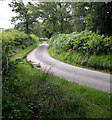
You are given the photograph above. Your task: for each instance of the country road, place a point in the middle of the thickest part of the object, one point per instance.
(81, 76)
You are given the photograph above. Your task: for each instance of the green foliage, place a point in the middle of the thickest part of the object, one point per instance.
(8, 29)
(59, 16)
(43, 39)
(42, 19)
(97, 16)
(84, 48)
(14, 39)
(34, 96)
(31, 94)
(94, 62)
(34, 38)
(45, 19)
(25, 18)
(53, 101)
(13, 104)
(78, 12)
(85, 41)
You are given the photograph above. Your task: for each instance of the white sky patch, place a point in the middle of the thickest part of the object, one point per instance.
(6, 13)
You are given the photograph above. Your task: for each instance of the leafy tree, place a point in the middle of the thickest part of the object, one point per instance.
(99, 17)
(24, 17)
(45, 19)
(78, 12)
(55, 17)
(64, 15)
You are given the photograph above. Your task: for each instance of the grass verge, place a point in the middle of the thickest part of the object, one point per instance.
(93, 62)
(48, 96)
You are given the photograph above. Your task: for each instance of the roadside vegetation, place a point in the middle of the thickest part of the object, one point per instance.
(29, 93)
(86, 48)
(13, 40)
(71, 30)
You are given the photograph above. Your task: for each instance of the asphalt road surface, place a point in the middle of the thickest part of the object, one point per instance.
(93, 79)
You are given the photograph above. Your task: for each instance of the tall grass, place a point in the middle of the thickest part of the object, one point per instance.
(36, 96)
(94, 62)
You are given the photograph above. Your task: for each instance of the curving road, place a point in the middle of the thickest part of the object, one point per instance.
(40, 57)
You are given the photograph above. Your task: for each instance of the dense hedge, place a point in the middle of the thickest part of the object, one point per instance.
(13, 39)
(86, 41)
(13, 103)
(85, 48)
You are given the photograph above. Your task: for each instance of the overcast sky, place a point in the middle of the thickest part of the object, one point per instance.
(6, 13)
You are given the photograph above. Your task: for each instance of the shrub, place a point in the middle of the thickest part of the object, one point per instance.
(43, 39)
(34, 38)
(13, 104)
(12, 40)
(86, 42)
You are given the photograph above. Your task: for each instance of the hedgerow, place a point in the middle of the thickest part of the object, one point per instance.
(14, 39)
(13, 104)
(86, 42)
(94, 49)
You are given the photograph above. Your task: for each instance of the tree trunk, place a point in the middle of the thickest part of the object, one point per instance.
(27, 27)
(61, 26)
(61, 19)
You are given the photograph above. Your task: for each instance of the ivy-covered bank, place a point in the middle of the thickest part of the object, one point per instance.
(86, 49)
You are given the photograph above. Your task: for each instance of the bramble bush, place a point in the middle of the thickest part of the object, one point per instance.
(13, 105)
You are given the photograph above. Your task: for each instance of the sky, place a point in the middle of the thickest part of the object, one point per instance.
(6, 13)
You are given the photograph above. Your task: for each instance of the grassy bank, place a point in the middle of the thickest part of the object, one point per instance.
(86, 49)
(92, 62)
(44, 96)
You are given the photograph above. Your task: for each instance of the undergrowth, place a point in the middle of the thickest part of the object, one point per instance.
(100, 63)
(31, 94)
(87, 49)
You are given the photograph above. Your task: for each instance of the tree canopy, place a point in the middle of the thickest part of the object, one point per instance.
(25, 18)
(47, 18)
(99, 17)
